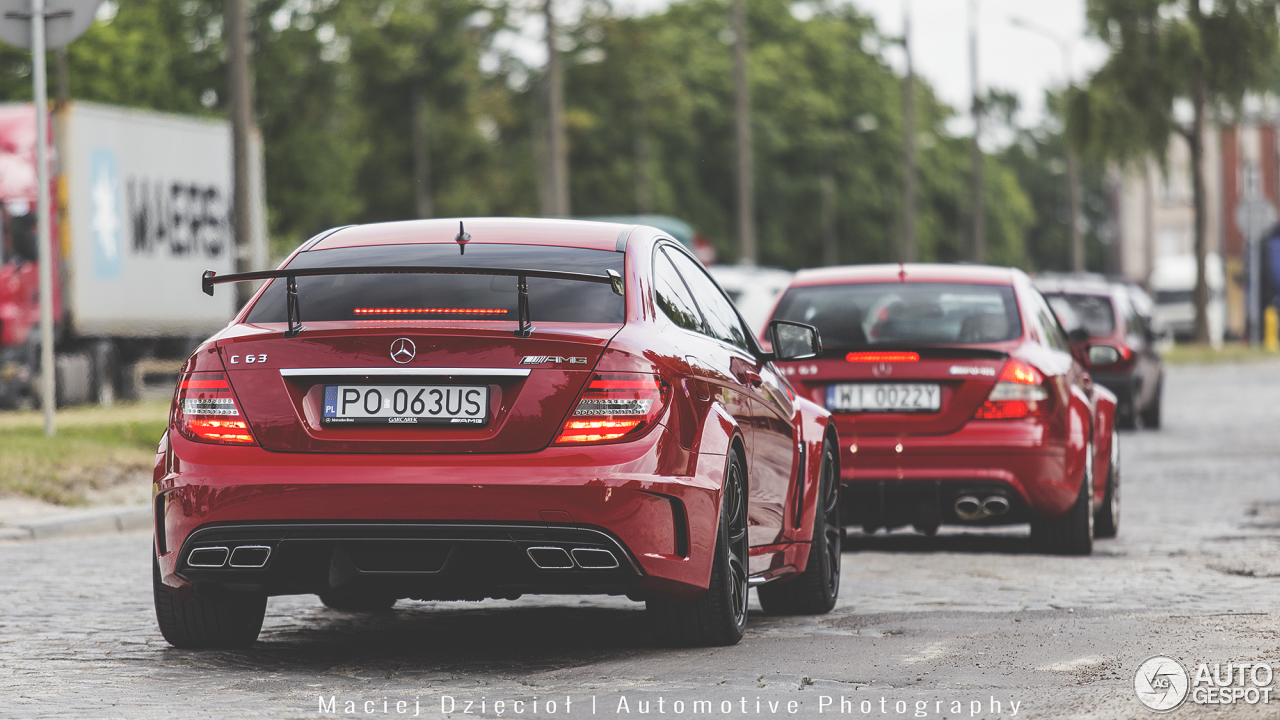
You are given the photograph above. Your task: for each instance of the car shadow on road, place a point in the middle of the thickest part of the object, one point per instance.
(426, 637)
(1003, 542)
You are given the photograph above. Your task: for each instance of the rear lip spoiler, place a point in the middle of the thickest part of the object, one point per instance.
(291, 275)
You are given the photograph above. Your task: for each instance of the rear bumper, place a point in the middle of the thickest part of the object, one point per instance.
(891, 481)
(443, 526)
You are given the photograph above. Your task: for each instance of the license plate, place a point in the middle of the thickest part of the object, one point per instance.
(406, 405)
(875, 397)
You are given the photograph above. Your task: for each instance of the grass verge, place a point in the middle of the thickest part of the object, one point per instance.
(1189, 354)
(94, 449)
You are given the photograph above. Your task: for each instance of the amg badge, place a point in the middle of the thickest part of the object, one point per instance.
(540, 359)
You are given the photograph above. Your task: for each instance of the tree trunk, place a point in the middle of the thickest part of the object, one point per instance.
(421, 154)
(1196, 141)
(240, 102)
(742, 128)
(830, 241)
(557, 145)
(1073, 191)
(908, 253)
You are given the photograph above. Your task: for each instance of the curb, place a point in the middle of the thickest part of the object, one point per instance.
(98, 521)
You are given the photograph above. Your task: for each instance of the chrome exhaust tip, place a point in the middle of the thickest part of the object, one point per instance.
(594, 558)
(250, 556)
(550, 558)
(996, 505)
(968, 508)
(208, 557)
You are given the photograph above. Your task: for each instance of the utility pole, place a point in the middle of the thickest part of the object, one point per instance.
(909, 253)
(240, 101)
(830, 239)
(742, 128)
(975, 154)
(1073, 162)
(558, 147)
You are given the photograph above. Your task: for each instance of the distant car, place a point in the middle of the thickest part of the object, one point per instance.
(1115, 339)
(754, 290)
(958, 401)
(1173, 282)
(414, 410)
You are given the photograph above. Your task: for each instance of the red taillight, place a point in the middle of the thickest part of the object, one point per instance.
(1019, 393)
(615, 406)
(207, 412)
(882, 357)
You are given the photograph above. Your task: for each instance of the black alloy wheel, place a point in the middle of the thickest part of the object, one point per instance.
(719, 615)
(814, 592)
(1106, 522)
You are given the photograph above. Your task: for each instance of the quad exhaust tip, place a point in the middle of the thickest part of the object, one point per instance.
(250, 556)
(208, 557)
(968, 507)
(594, 558)
(557, 558)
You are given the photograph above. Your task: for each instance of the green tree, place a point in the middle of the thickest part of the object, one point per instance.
(1164, 51)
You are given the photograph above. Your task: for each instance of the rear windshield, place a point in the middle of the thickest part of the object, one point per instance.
(1094, 313)
(467, 298)
(861, 315)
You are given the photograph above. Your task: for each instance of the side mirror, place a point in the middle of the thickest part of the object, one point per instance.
(1078, 335)
(1102, 355)
(794, 341)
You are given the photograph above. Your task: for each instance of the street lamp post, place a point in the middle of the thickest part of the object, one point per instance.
(1073, 164)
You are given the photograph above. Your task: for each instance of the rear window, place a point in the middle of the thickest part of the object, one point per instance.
(467, 298)
(1094, 313)
(861, 315)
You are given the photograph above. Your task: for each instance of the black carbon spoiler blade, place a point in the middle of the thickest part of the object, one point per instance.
(291, 275)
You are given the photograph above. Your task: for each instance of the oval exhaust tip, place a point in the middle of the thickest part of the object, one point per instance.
(968, 508)
(996, 505)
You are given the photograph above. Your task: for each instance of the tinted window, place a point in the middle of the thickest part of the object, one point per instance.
(471, 298)
(1094, 313)
(722, 320)
(672, 296)
(858, 315)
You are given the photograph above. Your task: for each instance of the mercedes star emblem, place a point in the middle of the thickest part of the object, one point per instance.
(403, 350)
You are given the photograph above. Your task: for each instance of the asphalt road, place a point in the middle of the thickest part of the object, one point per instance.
(943, 627)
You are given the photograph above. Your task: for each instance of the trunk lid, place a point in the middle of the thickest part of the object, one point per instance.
(280, 383)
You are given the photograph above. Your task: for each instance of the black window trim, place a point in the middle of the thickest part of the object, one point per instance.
(754, 349)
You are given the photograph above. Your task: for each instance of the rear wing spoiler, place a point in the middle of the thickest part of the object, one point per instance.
(291, 275)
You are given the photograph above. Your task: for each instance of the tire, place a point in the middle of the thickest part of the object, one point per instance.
(228, 620)
(358, 603)
(1151, 413)
(105, 368)
(814, 592)
(719, 616)
(1126, 413)
(1071, 534)
(1106, 521)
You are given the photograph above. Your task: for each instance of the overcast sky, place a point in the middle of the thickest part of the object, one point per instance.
(1010, 58)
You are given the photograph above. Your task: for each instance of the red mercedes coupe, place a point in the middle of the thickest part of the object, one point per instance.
(460, 410)
(958, 401)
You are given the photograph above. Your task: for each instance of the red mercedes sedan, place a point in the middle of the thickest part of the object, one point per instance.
(958, 401)
(460, 410)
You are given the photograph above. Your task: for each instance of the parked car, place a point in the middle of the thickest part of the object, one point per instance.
(958, 401)
(753, 290)
(447, 410)
(1114, 338)
(1173, 282)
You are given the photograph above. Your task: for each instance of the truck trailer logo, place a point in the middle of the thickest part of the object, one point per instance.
(104, 203)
